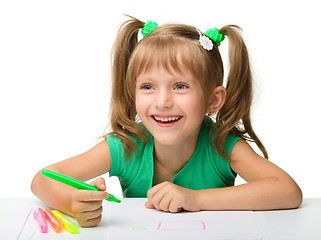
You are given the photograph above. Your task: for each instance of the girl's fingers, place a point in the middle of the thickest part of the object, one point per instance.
(80, 207)
(91, 222)
(174, 206)
(92, 214)
(90, 219)
(100, 183)
(165, 202)
(149, 205)
(151, 193)
(87, 205)
(157, 196)
(90, 206)
(88, 196)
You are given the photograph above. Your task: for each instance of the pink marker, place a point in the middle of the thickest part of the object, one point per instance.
(39, 216)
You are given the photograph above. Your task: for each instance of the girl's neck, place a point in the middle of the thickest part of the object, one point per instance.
(173, 158)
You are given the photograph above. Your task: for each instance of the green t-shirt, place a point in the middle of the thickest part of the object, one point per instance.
(205, 169)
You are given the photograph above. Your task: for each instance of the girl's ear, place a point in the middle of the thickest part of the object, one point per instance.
(217, 100)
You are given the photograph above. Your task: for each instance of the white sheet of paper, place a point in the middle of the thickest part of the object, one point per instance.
(131, 220)
(14, 222)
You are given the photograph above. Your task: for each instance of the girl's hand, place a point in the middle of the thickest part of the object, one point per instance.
(169, 197)
(86, 206)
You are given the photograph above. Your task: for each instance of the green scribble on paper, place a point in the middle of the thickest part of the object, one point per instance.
(139, 228)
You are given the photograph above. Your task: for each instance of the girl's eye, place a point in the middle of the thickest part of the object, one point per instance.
(147, 87)
(181, 86)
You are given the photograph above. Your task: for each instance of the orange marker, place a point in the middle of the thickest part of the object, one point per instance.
(56, 223)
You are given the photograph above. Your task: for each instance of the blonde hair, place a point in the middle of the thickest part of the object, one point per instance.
(161, 48)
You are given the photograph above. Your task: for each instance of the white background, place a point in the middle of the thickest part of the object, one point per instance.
(55, 73)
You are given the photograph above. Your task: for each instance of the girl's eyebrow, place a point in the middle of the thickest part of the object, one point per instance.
(173, 79)
(144, 79)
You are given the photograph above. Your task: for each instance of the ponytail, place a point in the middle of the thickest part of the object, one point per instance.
(234, 116)
(123, 113)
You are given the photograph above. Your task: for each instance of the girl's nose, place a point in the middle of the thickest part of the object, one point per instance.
(164, 99)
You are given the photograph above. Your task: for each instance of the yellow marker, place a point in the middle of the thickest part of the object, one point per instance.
(68, 225)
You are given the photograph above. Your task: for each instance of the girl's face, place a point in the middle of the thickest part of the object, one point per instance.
(170, 105)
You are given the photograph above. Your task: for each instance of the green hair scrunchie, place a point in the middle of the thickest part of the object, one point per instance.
(149, 27)
(215, 35)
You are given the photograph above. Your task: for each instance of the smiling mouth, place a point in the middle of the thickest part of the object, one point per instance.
(165, 120)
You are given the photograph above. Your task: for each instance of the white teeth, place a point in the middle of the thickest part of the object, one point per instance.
(161, 119)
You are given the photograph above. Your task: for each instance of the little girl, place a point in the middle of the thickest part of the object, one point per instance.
(164, 144)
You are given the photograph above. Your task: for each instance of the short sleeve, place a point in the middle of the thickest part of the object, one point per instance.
(116, 154)
(230, 141)
(221, 165)
(226, 172)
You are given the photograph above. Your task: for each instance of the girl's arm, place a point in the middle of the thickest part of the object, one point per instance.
(72, 201)
(268, 187)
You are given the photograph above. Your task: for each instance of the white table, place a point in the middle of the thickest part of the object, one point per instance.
(303, 223)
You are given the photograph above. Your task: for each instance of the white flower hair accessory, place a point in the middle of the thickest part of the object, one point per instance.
(205, 42)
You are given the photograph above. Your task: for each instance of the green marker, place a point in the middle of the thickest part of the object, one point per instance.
(75, 183)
